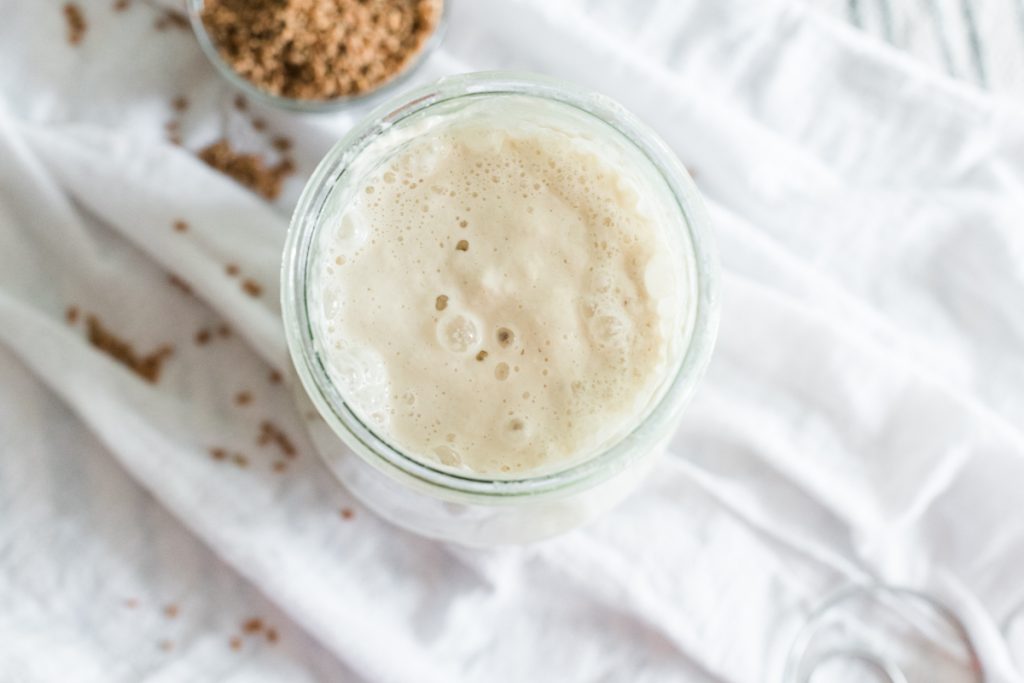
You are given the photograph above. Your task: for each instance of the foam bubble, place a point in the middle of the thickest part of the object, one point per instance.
(458, 332)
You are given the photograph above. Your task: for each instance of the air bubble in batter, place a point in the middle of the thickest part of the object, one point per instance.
(458, 333)
(515, 431)
(448, 456)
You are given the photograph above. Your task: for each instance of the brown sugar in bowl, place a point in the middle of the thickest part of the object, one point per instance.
(317, 55)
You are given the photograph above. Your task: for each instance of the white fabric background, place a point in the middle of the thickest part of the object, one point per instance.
(861, 418)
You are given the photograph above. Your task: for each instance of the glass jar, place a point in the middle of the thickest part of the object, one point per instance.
(460, 507)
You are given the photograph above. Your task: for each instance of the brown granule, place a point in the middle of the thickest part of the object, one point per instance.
(243, 398)
(122, 5)
(180, 226)
(240, 460)
(259, 125)
(252, 626)
(481, 355)
(71, 315)
(166, 645)
(231, 269)
(441, 302)
(147, 367)
(203, 337)
(171, 611)
(347, 513)
(279, 466)
(172, 19)
(248, 169)
(462, 245)
(76, 23)
(270, 433)
(172, 126)
(235, 643)
(252, 288)
(241, 104)
(180, 103)
(319, 49)
(272, 636)
(223, 331)
(275, 377)
(179, 283)
(174, 140)
(218, 453)
(281, 143)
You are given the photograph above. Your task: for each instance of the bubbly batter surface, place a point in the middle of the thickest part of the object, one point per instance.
(498, 294)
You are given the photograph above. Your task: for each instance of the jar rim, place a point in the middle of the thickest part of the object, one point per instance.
(344, 421)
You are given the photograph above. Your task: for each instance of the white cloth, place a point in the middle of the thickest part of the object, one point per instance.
(861, 418)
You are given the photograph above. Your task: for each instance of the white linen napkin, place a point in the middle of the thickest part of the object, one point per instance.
(861, 418)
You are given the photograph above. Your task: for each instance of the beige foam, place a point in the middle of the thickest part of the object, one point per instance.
(498, 295)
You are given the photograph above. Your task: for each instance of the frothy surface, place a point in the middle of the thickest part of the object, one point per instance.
(499, 295)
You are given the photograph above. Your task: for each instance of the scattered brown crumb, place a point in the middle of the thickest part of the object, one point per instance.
(248, 169)
(279, 466)
(272, 636)
(235, 643)
(218, 453)
(347, 513)
(252, 288)
(174, 140)
(179, 283)
(203, 337)
(259, 124)
(172, 125)
(253, 625)
(148, 367)
(320, 50)
(131, 603)
(462, 245)
(171, 611)
(282, 144)
(243, 398)
(481, 355)
(223, 330)
(121, 5)
(269, 433)
(441, 302)
(76, 23)
(241, 104)
(71, 314)
(231, 269)
(172, 19)
(166, 645)
(180, 226)
(240, 460)
(180, 103)
(275, 377)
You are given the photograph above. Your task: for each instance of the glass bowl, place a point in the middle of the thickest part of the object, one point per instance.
(195, 9)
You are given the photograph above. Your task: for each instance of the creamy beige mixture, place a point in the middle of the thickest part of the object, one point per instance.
(499, 295)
